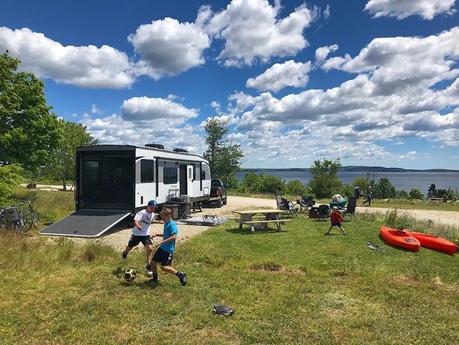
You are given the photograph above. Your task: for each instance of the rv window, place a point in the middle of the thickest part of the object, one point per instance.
(170, 175)
(146, 171)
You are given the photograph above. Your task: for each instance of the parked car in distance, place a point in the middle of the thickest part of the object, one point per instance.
(218, 192)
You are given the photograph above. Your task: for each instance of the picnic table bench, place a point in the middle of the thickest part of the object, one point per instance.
(252, 217)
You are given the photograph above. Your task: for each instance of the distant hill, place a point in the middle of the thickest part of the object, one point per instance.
(355, 169)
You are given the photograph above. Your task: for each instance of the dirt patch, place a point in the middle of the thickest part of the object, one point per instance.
(405, 280)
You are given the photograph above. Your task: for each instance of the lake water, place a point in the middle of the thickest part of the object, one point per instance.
(400, 180)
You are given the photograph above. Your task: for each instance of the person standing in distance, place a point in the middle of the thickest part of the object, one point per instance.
(141, 233)
(165, 251)
(369, 196)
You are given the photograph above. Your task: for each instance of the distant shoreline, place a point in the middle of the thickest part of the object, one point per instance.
(363, 169)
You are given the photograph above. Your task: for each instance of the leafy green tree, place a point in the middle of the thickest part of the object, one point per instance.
(10, 179)
(61, 163)
(324, 180)
(251, 183)
(384, 189)
(416, 194)
(224, 158)
(296, 187)
(28, 129)
(271, 184)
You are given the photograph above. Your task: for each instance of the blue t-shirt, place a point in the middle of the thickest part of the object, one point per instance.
(170, 229)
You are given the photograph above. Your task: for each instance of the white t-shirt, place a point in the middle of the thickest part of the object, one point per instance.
(144, 218)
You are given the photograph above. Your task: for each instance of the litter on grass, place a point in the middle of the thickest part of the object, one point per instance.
(223, 310)
(208, 220)
(375, 247)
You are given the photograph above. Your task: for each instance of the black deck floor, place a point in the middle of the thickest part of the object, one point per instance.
(86, 223)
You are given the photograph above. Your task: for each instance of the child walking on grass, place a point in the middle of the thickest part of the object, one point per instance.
(335, 219)
(165, 251)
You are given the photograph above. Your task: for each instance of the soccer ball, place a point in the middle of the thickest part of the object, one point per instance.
(130, 274)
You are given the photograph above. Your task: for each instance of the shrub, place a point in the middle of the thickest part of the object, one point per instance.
(254, 183)
(347, 190)
(10, 179)
(401, 194)
(296, 187)
(416, 194)
(394, 220)
(447, 194)
(271, 184)
(250, 183)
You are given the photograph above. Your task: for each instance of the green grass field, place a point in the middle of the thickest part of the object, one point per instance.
(293, 287)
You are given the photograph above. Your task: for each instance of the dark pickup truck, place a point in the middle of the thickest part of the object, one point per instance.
(218, 193)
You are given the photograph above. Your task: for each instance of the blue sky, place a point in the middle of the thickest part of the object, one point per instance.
(374, 82)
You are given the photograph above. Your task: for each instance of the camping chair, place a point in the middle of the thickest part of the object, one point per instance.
(306, 202)
(351, 204)
(324, 211)
(284, 204)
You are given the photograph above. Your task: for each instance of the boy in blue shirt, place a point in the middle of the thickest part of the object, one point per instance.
(165, 251)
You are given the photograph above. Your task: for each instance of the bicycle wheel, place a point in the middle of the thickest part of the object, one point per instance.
(33, 216)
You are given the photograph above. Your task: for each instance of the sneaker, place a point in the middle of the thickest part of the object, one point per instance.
(124, 255)
(153, 280)
(182, 278)
(148, 270)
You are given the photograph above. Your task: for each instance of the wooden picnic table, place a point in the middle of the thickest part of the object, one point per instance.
(252, 217)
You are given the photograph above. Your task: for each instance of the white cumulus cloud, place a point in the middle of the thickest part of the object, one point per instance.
(252, 30)
(167, 47)
(323, 52)
(280, 75)
(400, 9)
(145, 108)
(85, 66)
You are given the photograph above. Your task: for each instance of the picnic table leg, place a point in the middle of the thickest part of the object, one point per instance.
(241, 221)
(274, 216)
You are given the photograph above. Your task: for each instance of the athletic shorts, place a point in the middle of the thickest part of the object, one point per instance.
(135, 240)
(163, 257)
(336, 223)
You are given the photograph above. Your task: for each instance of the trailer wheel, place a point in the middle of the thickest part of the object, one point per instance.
(225, 201)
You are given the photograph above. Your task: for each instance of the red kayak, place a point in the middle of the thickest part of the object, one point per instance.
(434, 242)
(399, 238)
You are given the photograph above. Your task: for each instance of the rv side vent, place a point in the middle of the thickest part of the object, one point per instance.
(180, 150)
(156, 146)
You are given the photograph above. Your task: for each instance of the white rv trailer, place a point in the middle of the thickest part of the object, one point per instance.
(115, 181)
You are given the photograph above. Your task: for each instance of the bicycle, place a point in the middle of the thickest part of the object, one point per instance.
(30, 215)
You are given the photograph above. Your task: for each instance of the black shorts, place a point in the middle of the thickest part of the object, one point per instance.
(135, 240)
(337, 223)
(163, 257)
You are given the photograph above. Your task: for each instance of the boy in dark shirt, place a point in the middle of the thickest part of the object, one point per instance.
(335, 219)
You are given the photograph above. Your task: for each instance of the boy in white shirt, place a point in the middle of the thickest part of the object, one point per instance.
(141, 233)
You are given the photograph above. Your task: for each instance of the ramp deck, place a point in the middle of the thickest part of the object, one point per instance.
(86, 223)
